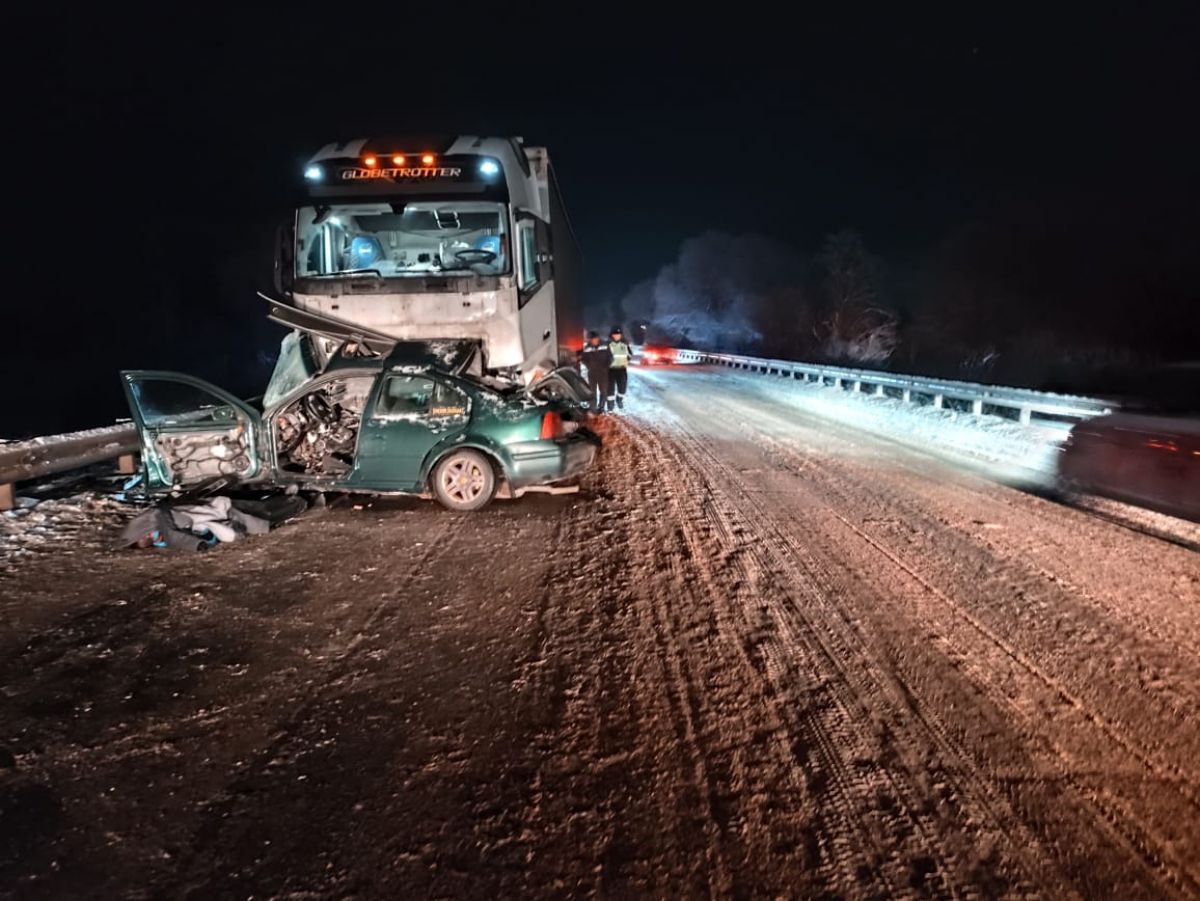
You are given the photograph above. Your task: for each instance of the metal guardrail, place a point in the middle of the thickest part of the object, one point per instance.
(1028, 405)
(24, 460)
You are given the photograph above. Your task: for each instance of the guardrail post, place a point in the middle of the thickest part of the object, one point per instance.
(907, 396)
(879, 390)
(977, 406)
(6, 497)
(837, 381)
(1026, 415)
(938, 401)
(857, 386)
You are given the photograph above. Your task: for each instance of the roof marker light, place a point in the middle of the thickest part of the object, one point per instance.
(398, 159)
(370, 162)
(427, 159)
(314, 173)
(489, 167)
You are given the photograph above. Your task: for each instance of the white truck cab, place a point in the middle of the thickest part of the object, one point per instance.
(435, 239)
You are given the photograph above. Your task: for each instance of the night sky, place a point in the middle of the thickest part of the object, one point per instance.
(156, 152)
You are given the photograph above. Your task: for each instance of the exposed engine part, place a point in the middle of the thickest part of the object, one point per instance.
(317, 434)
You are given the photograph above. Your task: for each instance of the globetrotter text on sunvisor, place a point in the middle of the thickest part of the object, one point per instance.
(423, 172)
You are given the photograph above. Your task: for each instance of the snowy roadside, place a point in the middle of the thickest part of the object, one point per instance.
(1004, 450)
(60, 525)
(43, 518)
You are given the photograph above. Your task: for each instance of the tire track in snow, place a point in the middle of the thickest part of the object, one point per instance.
(1065, 539)
(629, 716)
(833, 728)
(1161, 768)
(1140, 838)
(787, 457)
(763, 766)
(1134, 840)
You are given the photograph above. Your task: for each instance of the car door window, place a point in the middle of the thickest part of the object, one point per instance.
(168, 403)
(414, 397)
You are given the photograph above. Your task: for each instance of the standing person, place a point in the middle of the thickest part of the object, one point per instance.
(597, 358)
(618, 368)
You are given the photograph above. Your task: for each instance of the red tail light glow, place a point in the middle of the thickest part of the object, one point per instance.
(370, 162)
(552, 426)
(398, 160)
(427, 159)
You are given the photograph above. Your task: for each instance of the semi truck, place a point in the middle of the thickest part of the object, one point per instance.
(452, 241)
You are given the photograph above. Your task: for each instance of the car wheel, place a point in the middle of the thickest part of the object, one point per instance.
(464, 480)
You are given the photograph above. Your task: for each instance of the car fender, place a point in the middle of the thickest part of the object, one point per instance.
(493, 450)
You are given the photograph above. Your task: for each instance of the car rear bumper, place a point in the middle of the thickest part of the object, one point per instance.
(542, 462)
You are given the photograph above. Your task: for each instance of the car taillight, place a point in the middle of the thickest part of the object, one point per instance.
(552, 426)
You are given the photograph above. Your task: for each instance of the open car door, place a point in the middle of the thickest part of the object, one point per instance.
(192, 431)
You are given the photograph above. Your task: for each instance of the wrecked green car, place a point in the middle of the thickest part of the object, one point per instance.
(400, 422)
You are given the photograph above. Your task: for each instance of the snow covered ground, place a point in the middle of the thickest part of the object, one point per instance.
(1023, 455)
(762, 653)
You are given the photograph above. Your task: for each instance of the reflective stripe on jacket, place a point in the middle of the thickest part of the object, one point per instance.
(620, 354)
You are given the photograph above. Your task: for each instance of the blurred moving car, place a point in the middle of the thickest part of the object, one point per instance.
(389, 423)
(1148, 453)
(649, 356)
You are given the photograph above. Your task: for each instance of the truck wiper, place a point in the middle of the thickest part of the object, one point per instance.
(374, 272)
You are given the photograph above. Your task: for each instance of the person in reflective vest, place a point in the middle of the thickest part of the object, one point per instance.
(618, 371)
(597, 359)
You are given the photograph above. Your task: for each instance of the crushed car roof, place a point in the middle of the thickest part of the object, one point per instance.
(444, 356)
(363, 348)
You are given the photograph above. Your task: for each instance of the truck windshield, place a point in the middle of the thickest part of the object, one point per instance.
(395, 240)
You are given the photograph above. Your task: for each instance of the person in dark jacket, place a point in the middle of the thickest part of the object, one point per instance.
(618, 368)
(597, 358)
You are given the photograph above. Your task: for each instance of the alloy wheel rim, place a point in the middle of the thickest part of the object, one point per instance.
(463, 481)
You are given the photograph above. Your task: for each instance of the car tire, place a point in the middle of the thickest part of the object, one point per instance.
(463, 481)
